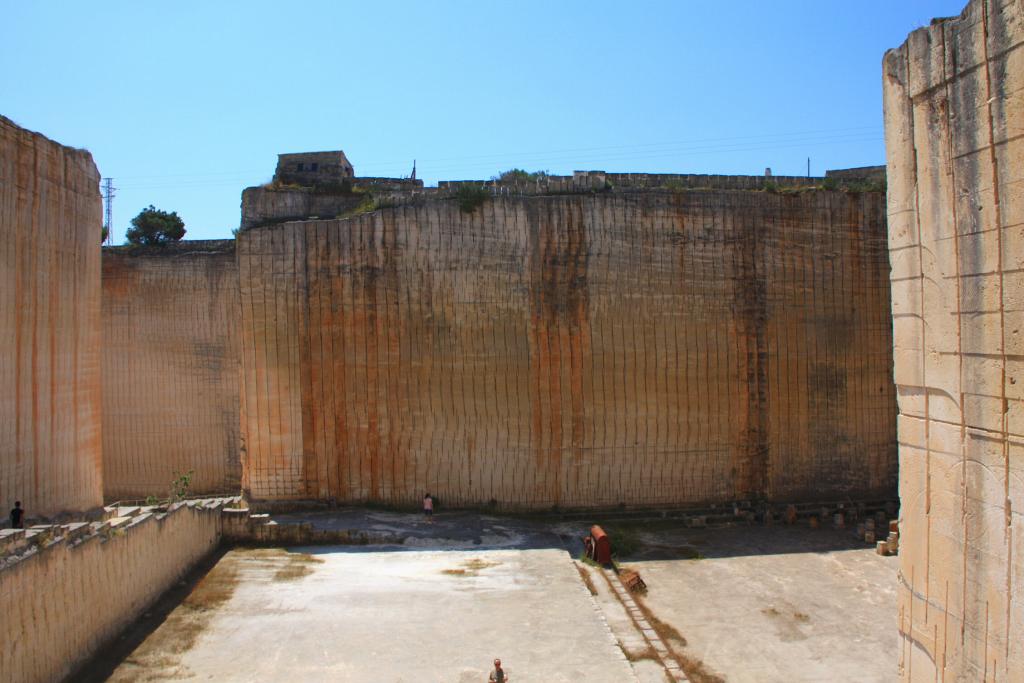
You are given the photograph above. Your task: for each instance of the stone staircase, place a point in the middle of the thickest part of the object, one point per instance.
(239, 525)
(17, 544)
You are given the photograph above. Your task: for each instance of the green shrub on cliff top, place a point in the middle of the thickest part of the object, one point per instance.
(470, 197)
(153, 226)
(518, 175)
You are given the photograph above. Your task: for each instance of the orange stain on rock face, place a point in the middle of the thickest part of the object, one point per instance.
(657, 348)
(50, 217)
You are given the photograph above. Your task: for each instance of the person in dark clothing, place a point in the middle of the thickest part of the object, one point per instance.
(16, 515)
(498, 675)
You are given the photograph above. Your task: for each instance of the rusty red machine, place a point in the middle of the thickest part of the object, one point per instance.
(597, 546)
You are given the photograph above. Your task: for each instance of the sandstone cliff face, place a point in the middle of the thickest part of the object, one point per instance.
(50, 220)
(652, 348)
(170, 368)
(261, 205)
(954, 110)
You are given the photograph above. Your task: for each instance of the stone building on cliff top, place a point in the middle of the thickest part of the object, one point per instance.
(313, 168)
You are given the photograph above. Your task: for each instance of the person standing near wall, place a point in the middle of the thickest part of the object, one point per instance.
(17, 514)
(428, 508)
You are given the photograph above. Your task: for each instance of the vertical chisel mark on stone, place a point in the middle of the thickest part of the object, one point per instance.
(952, 126)
(648, 348)
(50, 216)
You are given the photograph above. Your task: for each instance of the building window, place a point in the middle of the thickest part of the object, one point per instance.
(298, 167)
(312, 167)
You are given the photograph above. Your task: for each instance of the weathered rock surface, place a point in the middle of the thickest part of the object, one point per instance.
(50, 220)
(170, 368)
(954, 110)
(262, 205)
(646, 348)
(281, 201)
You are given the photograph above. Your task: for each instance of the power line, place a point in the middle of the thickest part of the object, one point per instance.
(849, 134)
(855, 130)
(659, 154)
(580, 160)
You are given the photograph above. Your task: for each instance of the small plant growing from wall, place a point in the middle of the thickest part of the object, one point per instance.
(471, 197)
(153, 226)
(367, 205)
(180, 486)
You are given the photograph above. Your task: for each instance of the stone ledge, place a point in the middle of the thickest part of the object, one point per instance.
(19, 544)
(245, 528)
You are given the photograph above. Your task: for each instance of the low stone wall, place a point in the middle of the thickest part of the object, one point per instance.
(861, 173)
(242, 527)
(73, 588)
(589, 181)
(270, 204)
(388, 184)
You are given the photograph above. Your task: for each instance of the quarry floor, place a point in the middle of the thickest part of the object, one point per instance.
(733, 604)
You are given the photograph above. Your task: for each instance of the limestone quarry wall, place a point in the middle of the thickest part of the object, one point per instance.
(261, 205)
(274, 203)
(170, 368)
(954, 110)
(63, 603)
(587, 350)
(50, 219)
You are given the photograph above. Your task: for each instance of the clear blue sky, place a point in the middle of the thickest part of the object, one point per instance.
(185, 103)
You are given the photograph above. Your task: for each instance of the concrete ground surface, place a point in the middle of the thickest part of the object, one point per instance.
(733, 604)
(776, 604)
(331, 614)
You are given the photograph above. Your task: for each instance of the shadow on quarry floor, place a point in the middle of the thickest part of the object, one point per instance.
(633, 539)
(218, 587)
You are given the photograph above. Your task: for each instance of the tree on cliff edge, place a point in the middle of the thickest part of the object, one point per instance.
(153, 226)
